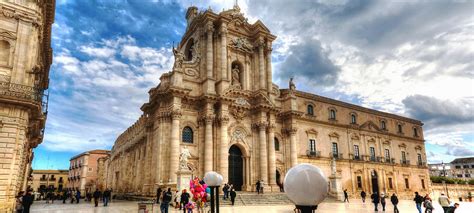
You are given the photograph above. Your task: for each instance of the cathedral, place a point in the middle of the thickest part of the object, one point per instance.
(220, 105)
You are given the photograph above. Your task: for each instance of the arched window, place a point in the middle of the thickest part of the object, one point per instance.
(277, 144)
(4, 52)
(332, 114)
(187, 135)
(310, 109)
(353, 119)
(383, 125)
(188, 51)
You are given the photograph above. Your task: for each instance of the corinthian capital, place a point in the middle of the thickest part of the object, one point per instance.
(271, 127)
(292, 131)
(176, 114)
(261, 125)
(223, 29)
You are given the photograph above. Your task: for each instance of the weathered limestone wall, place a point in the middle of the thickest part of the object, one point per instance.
(454, 191)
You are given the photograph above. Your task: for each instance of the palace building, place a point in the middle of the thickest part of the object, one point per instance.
(25, 58)
(219, 102)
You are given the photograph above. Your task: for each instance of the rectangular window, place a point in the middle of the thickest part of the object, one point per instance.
(472, 166)
(467, 175)
(466, 166)
(458, 167)
(387, 155)
(420, 160)
(390, 184)
(356, 152)
(415, 132)
(359, 182)
(334, 150)
(407, 185)
(372, 153)
(312, 145)
(404, 157)
(459, 175)
(423, 183)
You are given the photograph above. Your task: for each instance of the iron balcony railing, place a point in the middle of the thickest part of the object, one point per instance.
(405, 162)
(357, 157)
(313, 154)
(336, 155)
(19, 91)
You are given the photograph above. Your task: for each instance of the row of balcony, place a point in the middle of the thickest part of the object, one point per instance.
(317, 154)
(75, 166)
(76, 177)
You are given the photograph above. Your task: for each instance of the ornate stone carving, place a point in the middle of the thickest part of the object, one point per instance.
(236, 76)
(334, 135)
(238, 135)
(191, 72)
(183, 158)
(241, 44)
(176, 114)
(291, 131)
(355, 137)
(242, 102)
(178, 58)
(209, 27)
(238, 113)
(292, 85)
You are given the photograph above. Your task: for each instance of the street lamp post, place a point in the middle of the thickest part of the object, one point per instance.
(214, 180)
(306, 186)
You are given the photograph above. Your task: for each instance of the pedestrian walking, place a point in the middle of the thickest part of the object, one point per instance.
(225, 189)
(19, 204)
(167, 197)
(428, 205)
(418, 201)
(177, 200)
(184, 198)
(158, 195)
(258, 185)
(444, 202)
(453, 208)
(106, 197)
(394, 200)
(346, 196)
(382, 200)
(362, 195)
(261, 186)
(375, 199)
(64, 195)
(27, 201)
(233, 194)
(96, 196)
(78, 196)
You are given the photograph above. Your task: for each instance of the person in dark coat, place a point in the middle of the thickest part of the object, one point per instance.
(158, 194)
(225, 189)
(27, 201)
(167, 197)
(394, 200)
(184, 199)
(418, 201)
(65, 195)
(96, 196)
(362, 195)
(375, 199)
(106, 197)
(382, 200)
(346, 196)
(233, 194)
(78, 196)
(258, 186)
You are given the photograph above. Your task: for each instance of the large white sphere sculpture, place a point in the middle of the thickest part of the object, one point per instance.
(213, 178)
(306, 185)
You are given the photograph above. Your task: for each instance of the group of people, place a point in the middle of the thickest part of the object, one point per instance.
(419, 200)
(228, 189)
(427, 202)
(182, 201)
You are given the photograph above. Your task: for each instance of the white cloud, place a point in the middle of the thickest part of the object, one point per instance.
(103, 52)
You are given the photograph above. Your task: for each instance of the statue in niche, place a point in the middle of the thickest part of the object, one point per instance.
(236, 76)
(183, 158)
(292, 85)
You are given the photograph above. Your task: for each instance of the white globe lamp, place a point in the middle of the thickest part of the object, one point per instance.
(306, 186)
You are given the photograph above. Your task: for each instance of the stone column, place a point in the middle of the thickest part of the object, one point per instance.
(223, 32)
(293, 148)
(271, 155)
(208, 148)
(263, 151)
(223, 152)
(158, 153)
(261, 63)
(269, 67)
(174, 147)
(209, 56)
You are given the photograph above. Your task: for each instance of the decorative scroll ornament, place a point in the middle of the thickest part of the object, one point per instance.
(238, 135)
(238, 113)
(241, 44)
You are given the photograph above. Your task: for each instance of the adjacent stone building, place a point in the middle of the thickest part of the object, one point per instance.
(25, 58)
(42, 180)
(83, 170)
(219, 102)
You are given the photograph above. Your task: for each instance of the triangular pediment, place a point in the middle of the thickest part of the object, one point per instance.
(259, 25)
(370, 125)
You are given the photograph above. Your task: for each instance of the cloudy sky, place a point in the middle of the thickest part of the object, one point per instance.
(413, 58)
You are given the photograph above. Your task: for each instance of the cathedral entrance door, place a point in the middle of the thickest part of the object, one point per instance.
(375, 182)
(235, 167)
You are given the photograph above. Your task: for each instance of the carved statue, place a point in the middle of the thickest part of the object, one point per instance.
(183, 158)
(178, 58)
(236, 76)
(292, 85)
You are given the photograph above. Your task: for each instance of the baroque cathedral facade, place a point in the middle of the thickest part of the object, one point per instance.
(219, 102)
